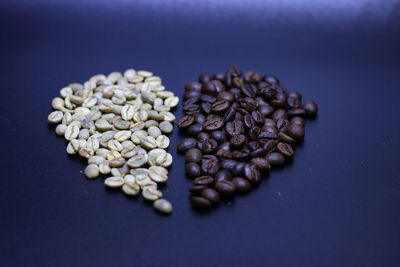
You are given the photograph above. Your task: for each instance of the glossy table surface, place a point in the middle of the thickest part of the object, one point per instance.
(336, 204)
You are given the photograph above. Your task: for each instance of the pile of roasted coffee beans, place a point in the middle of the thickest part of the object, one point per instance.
(239, 127)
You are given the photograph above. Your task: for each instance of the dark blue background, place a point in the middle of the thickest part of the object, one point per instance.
(337, 204)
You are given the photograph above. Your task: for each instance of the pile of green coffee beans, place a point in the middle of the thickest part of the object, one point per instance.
(119, 123)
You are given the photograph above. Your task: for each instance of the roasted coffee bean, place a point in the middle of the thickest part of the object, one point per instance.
(225, 146)
(204, 77)
(195, 129)
(248, 121)
(295, 95)
(259, 152)
(251, 77)
(286, 138)
(209, 88)
(219, 86)
(228, 164)
(205, 108)
(269, 123)
(271, 79)
(199, 118)
(262, 163)
(203, 180)
(222, 175)
(249, 104)
(296, 132)
(279, 114)
(191, 109)
(220, 107)
(238, 141)
(266, 110)
(311, 108)
(201, 137)
(213, 124)
(282, 125)
(225, 96)
(296, 112)
(297, 120)
(267, 135)
(269, 145)
(200, 203)
(193, 155)
(254, 132)
(219, 76)
(258, 117)
(208, 146)
(252, 173)
(241, 185)
(191, 94)
(186, 144)
(276, 159)
(211, 194)
(193, 86)
(192, 170)
(293, 102)
(218, 136)
(185, 122)
(234, 71)
(240, 155)
(238, 169)
(208, 99)
(249, 90)
(237, 82)
(209, 165)
(197, 189)
(236, 92)
(253, 145)
(226, 188)
(285, 149)
(279, 101)
(234, 128)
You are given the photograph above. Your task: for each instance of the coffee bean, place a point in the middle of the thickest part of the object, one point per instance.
(234, 128)
(200, 203)
(205, 108)
(201, 137)
(252, 173)
(297, 120)
(209, 165)
(296, 112)
(296, 132)
(225, 96)
(238, 141)
(262, 163)
(249, 104)
(242, 185)
(234, 71)
(192, 170)
(220, 107)
(197, 189)
(251, 77)
(285, 149)
(193, 86)
(208, 146)
(276, 159)
(211, 195)
(311, 108)
(213, 124)
(222, 175)
(286, 138)
(193, 155)
(203, 180)
(218, 136)
(186, 144)
(195, 129)
(226, 188)
(163, 206)
(185, 122)
(219, 76)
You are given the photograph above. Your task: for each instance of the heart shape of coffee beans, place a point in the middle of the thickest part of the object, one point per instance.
(239, 127)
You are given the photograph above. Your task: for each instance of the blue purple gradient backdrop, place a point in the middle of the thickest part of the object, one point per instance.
(337, 204)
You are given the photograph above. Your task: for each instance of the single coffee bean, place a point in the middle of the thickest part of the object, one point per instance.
(311, 108)
(219, 76)
(252, 173)
(208, 98)
(199, 118)
(209, 165)
(203, 136)
(286, 138)
(192, 170)
(262, 163)
(225, 96)
(242, 185)
(186, 144)
(238, 169)
(249, 104)
(185, 122)
(208, 146)
(193, 155)
(211, 194)
(258, 117)
(296, 112)
(266, 110)
(234, 128)
(238, 141)
(203, 180)
(163, 206)
(259, 152)
(226, 188)
(213, 124)
(296, 132)
(276, 159)
(297, 120)
(197, 189)
(218, 136)
(248, 121)
(293, 102)
(222, 175)
(251, 77)
(282, 125)
(279, 114)
(220, 107)
(285, 149)
(237, 82)
(195, 129)
(193, 86)
(205, 108)
(209, 88)
(200, 203)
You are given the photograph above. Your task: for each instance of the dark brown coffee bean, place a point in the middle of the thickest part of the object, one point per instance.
(225, 96)
(209, 88)
(225, 146)
(208, 99)
(311, 108)
(208, 146)
(209, 166)
(200, 203)
(297, 120)
(219, 86)
(279, 114)
(296, 132)
(238, 141)
(269, 123)
(226, 188)
(234, 71)
(241, 185)
(192, 170)
(248, 121)
(234, 128)
(203, 180)
(299, 112)
(286, 138)
(236, 92)
(249, 90)
(222, 175)
(204, 77)
(249, 104)
(254, 133)
(258, 117)
(282, 125)
(218, 136)
(186, 144)
(191, 95)
(266, 110)
(276, 159)
(213, 124)
(293, 102)
(251, 77)
(285, 149)
(224, 154)
(191, 109)
(195, 129)
(294, 94)
(201, 137)
(269, 145)
(271, 79)
(238, 116)
(197, 189)
(237, 82)
(219, 76)
(252, 173)
(185, 122)
(240, 154)
(193, 86)
(279, 101)
(220, 107)
(262, 163)
(193, 155)
(267, 135)
(259, 152)
(211, 194)
(205, 108)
